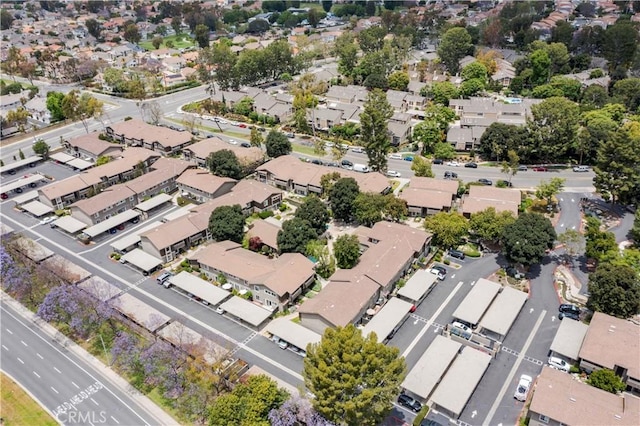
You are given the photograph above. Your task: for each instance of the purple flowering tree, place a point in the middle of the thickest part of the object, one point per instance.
(297, 411)
(163, 366)
(15, 277)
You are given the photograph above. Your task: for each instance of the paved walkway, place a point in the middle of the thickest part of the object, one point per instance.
(111, 376)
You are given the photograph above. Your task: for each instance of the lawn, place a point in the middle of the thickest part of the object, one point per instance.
(17, 408)
(183, 42)
(303, 149)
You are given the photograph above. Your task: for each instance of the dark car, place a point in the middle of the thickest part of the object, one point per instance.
(569, 308)
(135, 220)
(346, 164)
(456, 253)
(120, 227)
(437, 161)
(513, 272)
(410, 403)
(440, 269)
(450, 175)
(471, 165)
(245, 145)
(316, 161)
(570, 315)
(333, 164)
(262, 129)
(484, 181)
(113, 230)
(504, 183)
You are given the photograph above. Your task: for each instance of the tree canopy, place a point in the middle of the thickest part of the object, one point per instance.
(614, 290)
(454, 45)
(606, 380)
(342, 196)
(526, 240)
(447, 228)
(227, 223)
(354, 378)
(488, 225)
(295, 235)
(277, 144)
(315, 212)
(224, 163)
(346, 249)
(375, 137)
(617, 171)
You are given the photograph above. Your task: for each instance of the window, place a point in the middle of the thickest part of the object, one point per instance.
(543, 418)
(270, 293)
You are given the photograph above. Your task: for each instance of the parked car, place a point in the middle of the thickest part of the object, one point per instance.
(569, 308)
(316, 161)
(540, 169)
(408, 158)
(559, 364)
(289, 135)
(357, 150)
(395, 156)
(164, 277)
(484, 181)
(437, 161)
(450, 175)
(410, 403)
(393, 173)
(570, 315)
(513, 272)
(113, 231)
(453, 164)
(522, 391)
(461, 326)
(346, 164)
(120, 227)
(135, 220)
(439, 271)
(456, 253)
(233, 142)
(4, 196)
(219, 310)
(471, 165)
(333, 164)
(581, 169)
(522, 168)
(505, 183)
(328, 145)
(242, 125)
(47, 219)
(245, 145)
(262, 129)
(362, 168)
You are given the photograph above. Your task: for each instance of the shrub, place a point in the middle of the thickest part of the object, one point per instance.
(574, 369)
(128, 118)
(283, 207)
(471, 252)
(447, 262)
(265, 214)
(421, 415)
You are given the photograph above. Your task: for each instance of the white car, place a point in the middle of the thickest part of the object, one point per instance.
(580, 169)
(395, 157)
(219, 310)
(460, 326)
(358, 150)
(559, 364)
(329, 145)
(522, 391)
(393, 173)
(453, 164)
(47, 219)
(233, 142)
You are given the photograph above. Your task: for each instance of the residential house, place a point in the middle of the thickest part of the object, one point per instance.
(136, 132)
(267, 231)
(132, 163)
(37, 107)
(111, 201)
(613, 343)
(91, 147)
(160, 179)
(324, 119)
(290, 174)
(170, 239)
(273, 282)
(199, 152)
(465, 138)
(482, 197)
(346, 94)
(427, 196)
(201, 185)
(399, 127)
(561, 399)
(390, 250)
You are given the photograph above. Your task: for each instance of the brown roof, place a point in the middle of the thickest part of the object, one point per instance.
(68, 186)
(426, 198)
(203, 180)
(138, 129)
(340, 302)
(475, 205)
(92, 144)
(205, 147)
(245, 192)
(267, 231)
(162, 170)
(612, 342)
(281, 275)
(177, 230)
(108, 197)
(565, 399)
(290, 168)
(493, 193)
(450, 186)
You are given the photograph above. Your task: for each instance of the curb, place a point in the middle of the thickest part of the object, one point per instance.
(32, 396)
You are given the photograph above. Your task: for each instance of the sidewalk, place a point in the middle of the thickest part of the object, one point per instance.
(110, 376)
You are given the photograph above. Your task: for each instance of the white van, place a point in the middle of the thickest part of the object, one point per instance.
(361, 168)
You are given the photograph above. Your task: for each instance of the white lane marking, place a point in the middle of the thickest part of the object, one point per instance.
(39, 356)
(453, 276)
(9, 331)
(60, 372)
(114, 419)
(5, 348)
(430, 320)
(36, 374)
(94, 401)
(54, 389)
(21, 361)
(512, 373)
(74, 384)
(22, 341)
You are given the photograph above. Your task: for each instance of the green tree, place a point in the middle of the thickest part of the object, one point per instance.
(444, 151)
(41, 148)
(227, 223)
(326, 5)
(526, 240)
(488, 225)
(474, 71)
(547, 190)
(354, 378)
(131, 33)
(295, 235)
(614, 290)
(635, 231)
(553, 127)
(81, 107)
(368, 208)
(442, 91)
(256, 139)
(224, 163)
(510, 167)
(6, 19)
(21, 154)
(219, 57)
(341, 198)
(244, 107)
(156, 42)
(103, 159)
(18, 117)
(428, 134)
(471, 87)
(601, 245)
(375, 134)
(315, 212)
(54, 105)
(540, 66)
(455, 44)
(395, 208)
(201, 35)
(399, 80)
(572, 241)
(248, 404)
(277, 144)
(372, 39)
(620, 44)
(421, 167)
(347, 52)
(326, 264)
(617, 171)
(606, 380)
(594, 96)
(499, 139)
(627, 92)
(346, 249)
(447, 228)
(596, 126)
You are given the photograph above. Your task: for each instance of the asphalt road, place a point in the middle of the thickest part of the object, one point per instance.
(72, 390)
